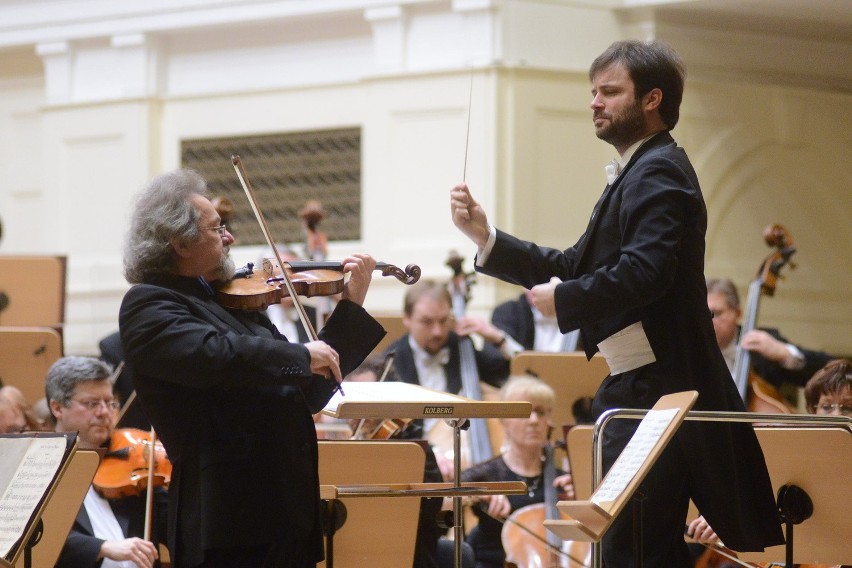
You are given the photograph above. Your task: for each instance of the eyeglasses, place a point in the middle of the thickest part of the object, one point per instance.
(845, 410)
(93, 404)
(221, 229)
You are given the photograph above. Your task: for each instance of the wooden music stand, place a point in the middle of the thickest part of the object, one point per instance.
(26, 353)
(817, 461)
(373, 463)
(403, 400)
(578, 446)
(570, 375)
(590, 519)
(32, 471)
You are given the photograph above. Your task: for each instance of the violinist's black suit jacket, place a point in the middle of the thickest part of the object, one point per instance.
(492, 366)
(82, 547)
(232, 400)
(641, 259)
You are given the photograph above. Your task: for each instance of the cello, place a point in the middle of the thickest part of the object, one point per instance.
(527, 543)
(759, 395)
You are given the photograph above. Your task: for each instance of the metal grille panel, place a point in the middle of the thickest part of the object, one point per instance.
(286, 170)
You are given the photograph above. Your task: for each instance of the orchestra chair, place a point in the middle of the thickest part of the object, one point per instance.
(26, 354)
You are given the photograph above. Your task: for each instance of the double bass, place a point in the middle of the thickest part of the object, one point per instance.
(759, 395)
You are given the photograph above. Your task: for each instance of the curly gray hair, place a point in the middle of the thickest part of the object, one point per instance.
(163, 211)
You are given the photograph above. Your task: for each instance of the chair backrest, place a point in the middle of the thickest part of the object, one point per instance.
(32, 291)
(569, 374)
(393, 325)
(26, 353)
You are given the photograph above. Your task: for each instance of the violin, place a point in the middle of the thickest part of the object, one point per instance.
(252, 289)
(758, 394)
(127, 466)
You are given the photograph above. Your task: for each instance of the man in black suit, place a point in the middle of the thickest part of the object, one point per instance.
(228, 395)
(773, 356)
(529, 329)
(634, 286)
(106, 532)
(428, 354)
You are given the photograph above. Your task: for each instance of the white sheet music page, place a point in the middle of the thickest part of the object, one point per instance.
(34, 463)
(634, 455)
(387, 392)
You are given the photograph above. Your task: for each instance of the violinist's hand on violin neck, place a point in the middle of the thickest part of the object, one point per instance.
(324, 360)
(360, 268)
(468, 215)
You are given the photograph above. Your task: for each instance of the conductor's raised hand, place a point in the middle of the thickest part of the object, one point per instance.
(324, 360)
(360, 268)
(468, 215)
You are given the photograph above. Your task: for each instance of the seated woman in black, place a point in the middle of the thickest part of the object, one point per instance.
(521, 459)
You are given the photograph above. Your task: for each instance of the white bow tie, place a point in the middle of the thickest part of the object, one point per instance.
(612, 169)
(442, 357)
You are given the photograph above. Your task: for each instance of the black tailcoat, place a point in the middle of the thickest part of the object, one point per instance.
(641, 259)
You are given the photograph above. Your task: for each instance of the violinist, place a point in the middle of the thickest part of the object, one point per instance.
(521, 459)
(774, 358)
(107, 532)
(633, 285)
(16, 413)
(230, 398)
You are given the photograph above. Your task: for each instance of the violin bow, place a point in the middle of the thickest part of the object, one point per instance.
(300, 309)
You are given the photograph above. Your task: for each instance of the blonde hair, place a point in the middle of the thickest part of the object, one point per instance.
(529, 388)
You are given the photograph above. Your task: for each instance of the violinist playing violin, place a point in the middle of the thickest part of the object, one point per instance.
(229, 396)
(107, 533)
(521, 459)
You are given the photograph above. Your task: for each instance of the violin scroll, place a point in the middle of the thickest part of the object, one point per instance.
(409, 276)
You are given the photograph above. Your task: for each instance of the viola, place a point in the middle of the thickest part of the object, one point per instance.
(252, 289)
(127, 466)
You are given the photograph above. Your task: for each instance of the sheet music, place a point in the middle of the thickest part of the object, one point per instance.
(634, 455)
(387, 392)
(29, 466)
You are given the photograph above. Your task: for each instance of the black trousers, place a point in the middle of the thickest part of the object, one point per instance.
(287, 554)
(662, 501)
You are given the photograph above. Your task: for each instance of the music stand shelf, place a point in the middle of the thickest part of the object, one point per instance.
(466, 489)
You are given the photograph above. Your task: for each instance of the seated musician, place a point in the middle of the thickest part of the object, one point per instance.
(829, 392)
(16, 414)
(529, 328)
(428, 354)
(107, 533)
(774, 358)
(522, 459)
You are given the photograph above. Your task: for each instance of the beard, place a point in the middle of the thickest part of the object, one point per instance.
(623, 128)
(225, 269)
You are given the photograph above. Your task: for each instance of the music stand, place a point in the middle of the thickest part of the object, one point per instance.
(590, 519)
(817, 461)
(33, 465)
(403, 400)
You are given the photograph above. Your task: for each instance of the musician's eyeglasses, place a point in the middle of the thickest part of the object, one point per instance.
(221, 229)
(93, 404)
(844, 409)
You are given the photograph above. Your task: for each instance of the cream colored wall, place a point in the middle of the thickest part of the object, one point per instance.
(763, 154)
